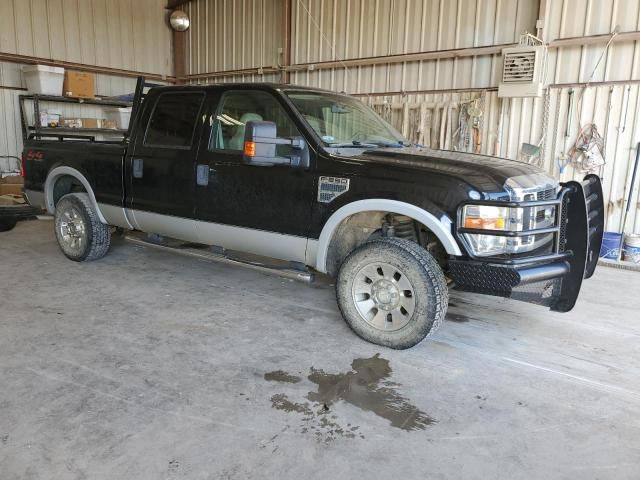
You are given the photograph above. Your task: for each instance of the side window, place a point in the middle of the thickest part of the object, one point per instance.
(238, 107)
(173, 120)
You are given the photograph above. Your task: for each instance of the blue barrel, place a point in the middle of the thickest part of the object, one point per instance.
(631, 249)
(610, 248)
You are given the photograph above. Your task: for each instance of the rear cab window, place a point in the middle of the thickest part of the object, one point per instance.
(173, 120)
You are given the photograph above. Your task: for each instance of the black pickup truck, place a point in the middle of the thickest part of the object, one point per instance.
(314, 177)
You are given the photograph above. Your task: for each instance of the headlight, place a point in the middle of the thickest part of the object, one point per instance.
(514, 219)
(492, 218)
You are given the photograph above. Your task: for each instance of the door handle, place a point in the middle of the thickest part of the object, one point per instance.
(203, 172)
(138, 167)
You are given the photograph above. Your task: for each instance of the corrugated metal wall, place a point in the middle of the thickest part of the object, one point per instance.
(245, 34)
(326, 30)
(575, 18)
(234, 35)
(124, 34)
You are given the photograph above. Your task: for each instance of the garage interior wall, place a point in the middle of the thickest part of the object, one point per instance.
(122, 34)
(348, 45)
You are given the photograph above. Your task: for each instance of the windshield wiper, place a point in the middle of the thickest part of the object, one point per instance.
(392, 144)
(354, 144)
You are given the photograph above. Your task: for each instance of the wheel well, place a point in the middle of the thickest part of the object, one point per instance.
(65, 184)
(360, 227)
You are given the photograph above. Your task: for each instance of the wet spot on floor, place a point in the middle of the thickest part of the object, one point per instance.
(281, 376)
(367, 386)
(282, 402)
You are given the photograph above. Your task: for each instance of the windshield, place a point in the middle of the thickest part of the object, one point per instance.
(342, 121)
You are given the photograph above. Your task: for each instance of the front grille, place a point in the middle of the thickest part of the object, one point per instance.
(546, 194)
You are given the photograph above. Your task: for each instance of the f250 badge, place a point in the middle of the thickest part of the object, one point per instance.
(330, 188)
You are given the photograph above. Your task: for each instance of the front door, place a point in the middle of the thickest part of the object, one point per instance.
(161, 170)
(259, 209)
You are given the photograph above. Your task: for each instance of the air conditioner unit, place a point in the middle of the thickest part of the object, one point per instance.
(523, 71)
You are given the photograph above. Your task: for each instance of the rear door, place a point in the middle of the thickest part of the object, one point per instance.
(160, 172)
(259, 209)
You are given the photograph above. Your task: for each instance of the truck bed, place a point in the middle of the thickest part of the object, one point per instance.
(101, 163)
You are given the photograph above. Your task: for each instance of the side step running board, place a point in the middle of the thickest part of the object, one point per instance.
(282, 269)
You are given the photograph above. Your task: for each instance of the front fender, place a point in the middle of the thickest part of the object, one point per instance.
(441, 227)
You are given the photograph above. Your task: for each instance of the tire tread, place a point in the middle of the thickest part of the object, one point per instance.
(428, 268)
(99, 234)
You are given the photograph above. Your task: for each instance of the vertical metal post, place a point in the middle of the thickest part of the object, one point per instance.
(286, 48)
(179, 56)
(36, 114)
(626, 211)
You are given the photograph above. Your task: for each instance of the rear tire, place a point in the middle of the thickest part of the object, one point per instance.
(81, 235)
(7, 224)
(392, 292)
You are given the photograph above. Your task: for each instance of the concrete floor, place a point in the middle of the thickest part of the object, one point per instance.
(148, 365)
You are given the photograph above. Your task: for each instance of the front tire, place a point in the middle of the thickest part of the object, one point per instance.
(392, 292)
(81, 235)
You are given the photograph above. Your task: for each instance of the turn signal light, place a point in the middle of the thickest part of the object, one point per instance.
(250, 149)
(484, 223)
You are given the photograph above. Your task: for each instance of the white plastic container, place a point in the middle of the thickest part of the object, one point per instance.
(43, 80)
(631, 248)
(121, 115)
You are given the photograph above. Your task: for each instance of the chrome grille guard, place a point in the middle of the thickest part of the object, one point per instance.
(578, 229)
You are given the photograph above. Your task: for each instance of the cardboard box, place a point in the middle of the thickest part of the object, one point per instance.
(79, 84)
(12, 180)
(91, 123)
(10, 189)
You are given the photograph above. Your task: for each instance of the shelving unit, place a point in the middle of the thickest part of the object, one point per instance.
(37, 130)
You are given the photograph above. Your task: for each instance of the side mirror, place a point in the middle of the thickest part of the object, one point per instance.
(260, 142)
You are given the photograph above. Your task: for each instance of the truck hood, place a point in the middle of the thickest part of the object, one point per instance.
(484, 173)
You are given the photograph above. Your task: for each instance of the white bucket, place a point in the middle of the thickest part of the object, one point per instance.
(44, 80)
(631, 248)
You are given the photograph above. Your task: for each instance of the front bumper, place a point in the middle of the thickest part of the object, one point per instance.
(551, 279)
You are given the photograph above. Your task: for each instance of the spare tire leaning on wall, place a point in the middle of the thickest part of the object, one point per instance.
(10, 214)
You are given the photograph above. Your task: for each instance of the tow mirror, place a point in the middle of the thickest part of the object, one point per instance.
(260, 142)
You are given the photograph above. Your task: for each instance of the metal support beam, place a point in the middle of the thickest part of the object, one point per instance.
(83, 67)
(180, 56)
(356, 62)
(413, 57)
(594, 39)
